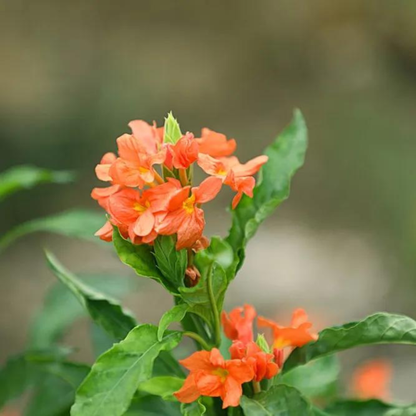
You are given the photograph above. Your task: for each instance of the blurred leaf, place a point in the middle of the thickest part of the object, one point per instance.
(278, 401)
(286, 156)
(193, 409)
(317, 379)
(19, 372)
(380, 328)
(176, 314)
(262, 343)
(171, 263)
(55, 393)
(104, 311)
(369, 408)
(76, 223)
(101, 340)
(61, 308)
(26, 177)
(153, 406)
(15, 378)
(166, 365)
(172, 131)
(114, 378)
(163, 386)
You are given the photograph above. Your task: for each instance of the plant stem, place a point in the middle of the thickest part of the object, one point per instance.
(217, 324)
(256, 387)
(198, 339)
(159, 178)
(183, 177)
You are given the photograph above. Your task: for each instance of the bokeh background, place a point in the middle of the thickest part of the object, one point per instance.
(73, 74)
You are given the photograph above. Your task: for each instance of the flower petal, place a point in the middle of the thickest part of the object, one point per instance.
(189, 391)
(207, 190)
(144, 223)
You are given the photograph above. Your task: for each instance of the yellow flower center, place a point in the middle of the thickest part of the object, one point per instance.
(222, 373)
(222, 171)
(280, 343)
(143, 170)
(141, 208)
(189, 204)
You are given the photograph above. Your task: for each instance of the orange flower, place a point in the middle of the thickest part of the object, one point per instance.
(244, 185)
(234, 174)
(184, 152)
(184, 217)
(138, 213)
(105, 232)
(371, 380)
(211, 375)
(296, 335)
(103, 168)
(151, 136)
(134, 167)
(238, 326)
(261, 362)
(102, 171)
(215, 144)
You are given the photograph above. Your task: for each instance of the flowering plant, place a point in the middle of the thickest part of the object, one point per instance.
(155, 220)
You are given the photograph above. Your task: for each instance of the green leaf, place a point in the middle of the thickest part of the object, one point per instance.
(114, 378)
(193, 409)
(221, 252)
(286, 156)
(153, 406)
(100, 339)
(198, 297)
(61, 308)
(104, 311)
(262, 343)
(167, 365)
(176, 314)
(140, 258)
(15, 378)
(19, 373)
(76, 223)
(26, 177)
(380, 328)
(278, 401)
(55, 392)
(163, 386)
(317, 379)
(171, 263)
(172, 130)
(369, 408)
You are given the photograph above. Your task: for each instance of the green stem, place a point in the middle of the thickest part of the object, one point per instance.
(198, 339)
(217, 324)
(256, 387)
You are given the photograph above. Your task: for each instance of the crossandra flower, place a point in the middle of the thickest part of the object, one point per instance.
(184, 216)
(146, 166)
(134, 166)
(215, 144)
(238, 324)
(295, 335)
(139, 211)
(184, 152)
(211, 375)
(260, 361)
(233, 173)
(371, 380)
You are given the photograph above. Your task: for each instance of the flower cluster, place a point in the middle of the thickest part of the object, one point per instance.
(151, 191)
(211, 375)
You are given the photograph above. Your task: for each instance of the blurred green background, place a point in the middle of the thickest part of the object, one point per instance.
(73, 74)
